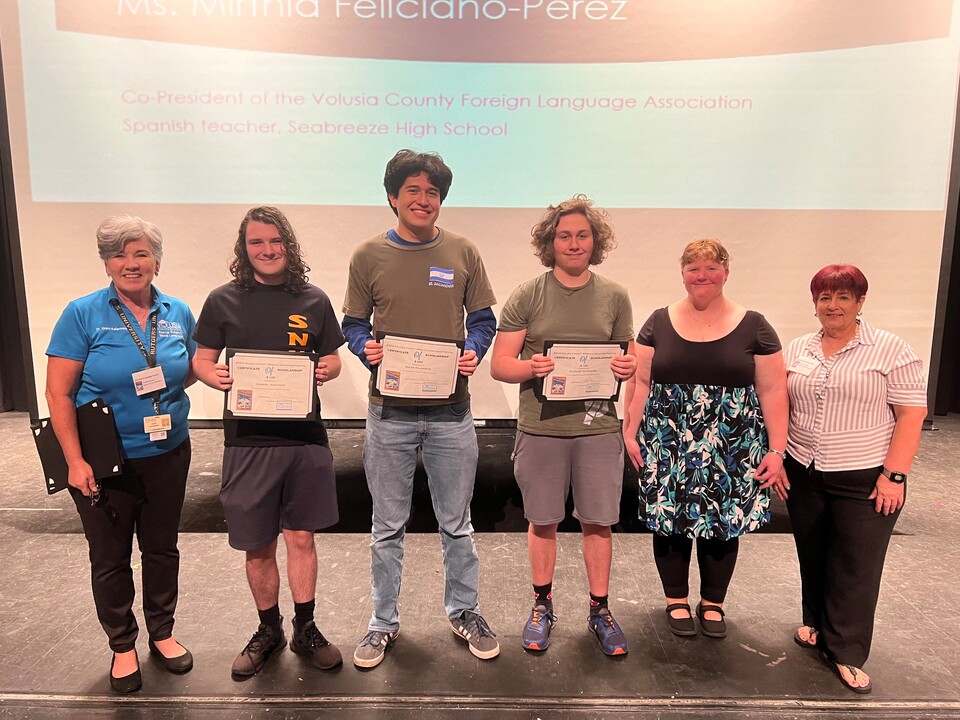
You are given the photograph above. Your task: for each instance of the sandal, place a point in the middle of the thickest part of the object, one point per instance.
(711, 628)
(810, 636)
(681, 626)
(865, 690)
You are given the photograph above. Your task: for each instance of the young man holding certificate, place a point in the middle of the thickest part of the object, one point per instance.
(422, 286)
(564, 337)
(277, 468)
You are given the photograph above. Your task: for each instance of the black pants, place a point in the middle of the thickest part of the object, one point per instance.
(146, 500)
(841, 544)
(716, 559)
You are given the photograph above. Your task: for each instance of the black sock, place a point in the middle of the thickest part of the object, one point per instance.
(303, 613)
(543, 595)
(598, 602)
(271, 618)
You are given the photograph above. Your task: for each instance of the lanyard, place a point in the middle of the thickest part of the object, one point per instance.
(149, 355)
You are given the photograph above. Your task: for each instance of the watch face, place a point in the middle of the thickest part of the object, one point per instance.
(898, 478)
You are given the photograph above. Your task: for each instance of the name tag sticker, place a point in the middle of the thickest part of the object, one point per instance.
(149, 380)
(157, 423)
(804, 365)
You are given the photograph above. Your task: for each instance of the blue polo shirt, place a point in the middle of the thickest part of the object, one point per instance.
(90, 331)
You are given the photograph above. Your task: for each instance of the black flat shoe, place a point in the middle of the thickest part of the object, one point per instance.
(128, 683)
(177, 665)
(682, 626)
(711, 628)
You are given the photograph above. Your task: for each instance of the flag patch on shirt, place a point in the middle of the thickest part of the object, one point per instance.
(441, 277)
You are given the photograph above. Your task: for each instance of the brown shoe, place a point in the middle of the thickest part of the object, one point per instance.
(310, 642)
(253, 657)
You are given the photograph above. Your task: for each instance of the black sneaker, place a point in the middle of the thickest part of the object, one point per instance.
(310, 642)
(253, 657)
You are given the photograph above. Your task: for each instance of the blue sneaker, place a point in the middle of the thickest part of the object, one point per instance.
(612, 640)
(536, 633)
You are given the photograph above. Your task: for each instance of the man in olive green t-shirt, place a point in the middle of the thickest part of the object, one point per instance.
(419, 280)
(568, 444)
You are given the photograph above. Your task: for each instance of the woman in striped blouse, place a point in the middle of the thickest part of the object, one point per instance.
(857, 404)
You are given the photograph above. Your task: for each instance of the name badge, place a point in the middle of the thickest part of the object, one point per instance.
(804, 365)
(149, 381)
(157, 423)
(155, 436)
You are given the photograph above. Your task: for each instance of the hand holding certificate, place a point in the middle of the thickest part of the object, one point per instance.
(415, 367)
(581, 371)
(278, 385)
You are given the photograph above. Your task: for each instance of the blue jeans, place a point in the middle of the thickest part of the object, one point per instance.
(446, 437)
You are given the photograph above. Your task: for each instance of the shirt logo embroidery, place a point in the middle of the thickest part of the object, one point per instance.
(441, 277)
(169, 329)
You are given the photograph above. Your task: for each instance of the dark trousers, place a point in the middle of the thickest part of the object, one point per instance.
(841, 545)
(716, 559)
(145, 501)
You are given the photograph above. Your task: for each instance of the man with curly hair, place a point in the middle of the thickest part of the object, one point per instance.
(564, 444)
(277, 474)
(418, 279)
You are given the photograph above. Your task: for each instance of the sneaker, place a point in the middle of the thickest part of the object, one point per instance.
(253, 657)
(310, 642)
(612, 640)
(474, 629)
(373, 647)
(536, 633)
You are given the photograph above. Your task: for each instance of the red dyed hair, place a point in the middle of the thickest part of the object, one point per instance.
(834, 278)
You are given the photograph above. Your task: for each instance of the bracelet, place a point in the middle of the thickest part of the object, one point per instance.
(780, 454)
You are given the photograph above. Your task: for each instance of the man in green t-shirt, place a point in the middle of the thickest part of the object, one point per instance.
(420, 280)
(563, 444)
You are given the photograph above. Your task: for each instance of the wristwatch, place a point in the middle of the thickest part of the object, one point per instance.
(897, 477)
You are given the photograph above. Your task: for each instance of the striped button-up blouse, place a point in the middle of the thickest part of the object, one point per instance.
(841, 414)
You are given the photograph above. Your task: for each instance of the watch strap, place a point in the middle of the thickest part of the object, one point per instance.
(897, 477)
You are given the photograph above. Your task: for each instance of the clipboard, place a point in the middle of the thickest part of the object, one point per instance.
(98, 440)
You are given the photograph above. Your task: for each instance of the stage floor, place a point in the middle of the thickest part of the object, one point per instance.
(55, 659)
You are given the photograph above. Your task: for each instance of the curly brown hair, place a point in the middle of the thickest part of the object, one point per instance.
(544, 231)
(409, 163)
(240, 266)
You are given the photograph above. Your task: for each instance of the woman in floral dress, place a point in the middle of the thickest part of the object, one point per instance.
(709, 401)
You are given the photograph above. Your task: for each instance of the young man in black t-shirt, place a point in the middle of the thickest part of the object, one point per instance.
(278, 475)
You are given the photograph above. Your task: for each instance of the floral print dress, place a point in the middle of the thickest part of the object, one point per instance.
(703, 436)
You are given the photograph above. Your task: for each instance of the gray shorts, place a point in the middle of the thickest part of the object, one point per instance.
(546, 467)
(269, 489)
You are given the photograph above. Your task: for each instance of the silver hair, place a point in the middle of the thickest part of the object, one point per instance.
(117, 230)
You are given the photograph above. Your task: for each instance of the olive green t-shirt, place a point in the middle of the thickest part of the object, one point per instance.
(547, 310)
(423, 289)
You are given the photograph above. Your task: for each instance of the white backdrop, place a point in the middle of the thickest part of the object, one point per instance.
(805, 139)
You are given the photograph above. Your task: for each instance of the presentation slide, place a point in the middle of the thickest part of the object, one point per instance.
(798, 133)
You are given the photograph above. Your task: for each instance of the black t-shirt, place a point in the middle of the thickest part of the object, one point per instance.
(269, 317)
(727, 361)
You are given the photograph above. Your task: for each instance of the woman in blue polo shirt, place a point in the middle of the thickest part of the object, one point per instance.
(130, 345)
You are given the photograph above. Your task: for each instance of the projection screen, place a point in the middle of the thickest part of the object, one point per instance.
(798, 133)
